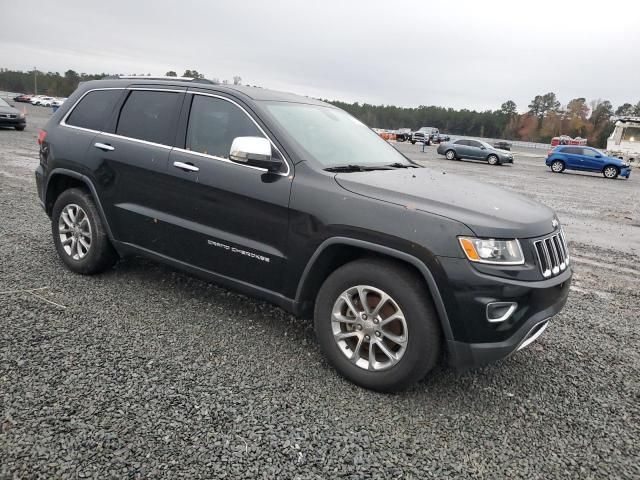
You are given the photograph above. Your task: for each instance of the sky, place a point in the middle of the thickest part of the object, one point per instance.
(458, 53)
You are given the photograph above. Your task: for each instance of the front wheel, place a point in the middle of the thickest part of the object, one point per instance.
(611, 172)
(20, 127)
(450, 155)
(492, 159)
(376, 324)
(79, 234)
(413, 142)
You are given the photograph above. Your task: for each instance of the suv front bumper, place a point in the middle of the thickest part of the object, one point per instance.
(477, 341)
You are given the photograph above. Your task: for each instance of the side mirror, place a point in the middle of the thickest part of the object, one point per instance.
(598, 156)
(254, 151)
(483, 148)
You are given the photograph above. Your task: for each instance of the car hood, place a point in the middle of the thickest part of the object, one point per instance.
(8, 110)
(487, 210)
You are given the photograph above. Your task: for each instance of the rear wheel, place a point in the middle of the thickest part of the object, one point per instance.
(557, 166)
(376, 325)
(610, 171)
(79, 234)
(450, 155)
(492, 159)
(413, 142)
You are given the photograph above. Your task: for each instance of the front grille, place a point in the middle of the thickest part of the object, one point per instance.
(8, 115)
(553, 254)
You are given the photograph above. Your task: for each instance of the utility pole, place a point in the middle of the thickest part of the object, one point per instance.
(35, 81)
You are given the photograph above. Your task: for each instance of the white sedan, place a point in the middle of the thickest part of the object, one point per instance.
(42, 101)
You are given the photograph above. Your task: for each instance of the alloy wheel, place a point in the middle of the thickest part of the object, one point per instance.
(610, 172)
(450, 155)
(557, 166)
(74, 229)
(369, 328)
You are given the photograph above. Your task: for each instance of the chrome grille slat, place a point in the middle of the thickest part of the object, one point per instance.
(553, 254)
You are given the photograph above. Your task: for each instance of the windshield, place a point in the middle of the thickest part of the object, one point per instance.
(332, 137)
(3, 103)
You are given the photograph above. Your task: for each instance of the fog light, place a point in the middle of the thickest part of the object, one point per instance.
(500, 311)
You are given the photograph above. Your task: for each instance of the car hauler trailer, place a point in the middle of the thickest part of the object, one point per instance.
(624, 142)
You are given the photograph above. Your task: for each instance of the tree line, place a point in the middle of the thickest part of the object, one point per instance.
(544, 118)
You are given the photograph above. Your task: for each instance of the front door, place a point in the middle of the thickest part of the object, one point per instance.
(225, 217)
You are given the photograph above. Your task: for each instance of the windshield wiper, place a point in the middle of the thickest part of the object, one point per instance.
(401, 165)
(355, 168)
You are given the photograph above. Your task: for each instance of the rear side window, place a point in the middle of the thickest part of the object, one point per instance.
(214, 123)
(473, 143)
(94, 110)
(150, 116)
(572, 150)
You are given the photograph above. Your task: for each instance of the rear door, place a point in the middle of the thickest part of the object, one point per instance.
(462, 148)
(133, 155)
(573, 157)
(226, 217)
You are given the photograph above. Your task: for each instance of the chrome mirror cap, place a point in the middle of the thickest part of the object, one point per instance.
(244, 149)
(255, 152)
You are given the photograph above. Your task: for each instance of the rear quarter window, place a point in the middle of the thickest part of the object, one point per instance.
(94, 109)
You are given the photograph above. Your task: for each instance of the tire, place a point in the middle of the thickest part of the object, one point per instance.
(450, 155)
(413, 142)
(493, 160)
(557, 166)
(409, 362)
(86, 229)
(610, 172)
(20, 127)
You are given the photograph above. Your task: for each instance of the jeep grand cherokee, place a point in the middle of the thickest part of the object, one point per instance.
(295, 201)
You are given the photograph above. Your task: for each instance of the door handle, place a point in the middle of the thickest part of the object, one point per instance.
(104, 146)
(186, 166)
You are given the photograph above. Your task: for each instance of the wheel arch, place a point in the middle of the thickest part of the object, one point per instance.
(337, 251)
(61, 179)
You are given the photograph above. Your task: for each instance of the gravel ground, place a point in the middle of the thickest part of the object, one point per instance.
(147, 372)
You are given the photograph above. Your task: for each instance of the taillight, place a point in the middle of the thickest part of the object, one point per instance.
(42, 136)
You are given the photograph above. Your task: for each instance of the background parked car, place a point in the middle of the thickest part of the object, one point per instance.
(403, 134)
(425, 135)
(11, 117)
(586, 159)
(42, 101)
(23, 97)
(474, 150)
(502, 145)
(443, 138)
(57, 102)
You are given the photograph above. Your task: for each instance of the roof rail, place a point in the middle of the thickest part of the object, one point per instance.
(179, 79)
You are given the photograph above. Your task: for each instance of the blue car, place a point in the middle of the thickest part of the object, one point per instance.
(586, 159)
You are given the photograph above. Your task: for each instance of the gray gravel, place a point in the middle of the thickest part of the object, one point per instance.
(147, 372)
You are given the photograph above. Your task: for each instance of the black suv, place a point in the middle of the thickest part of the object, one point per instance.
(295, 201)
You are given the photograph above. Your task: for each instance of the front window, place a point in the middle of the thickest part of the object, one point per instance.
(214, 123)
(631, 134)
(332, 137)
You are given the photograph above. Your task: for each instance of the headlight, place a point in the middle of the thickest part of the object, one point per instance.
(21, 115)
(488, 250)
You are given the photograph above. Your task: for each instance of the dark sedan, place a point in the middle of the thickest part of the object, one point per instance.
(11, 117)
(502, 145)
(474, 150)
(23, 98)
